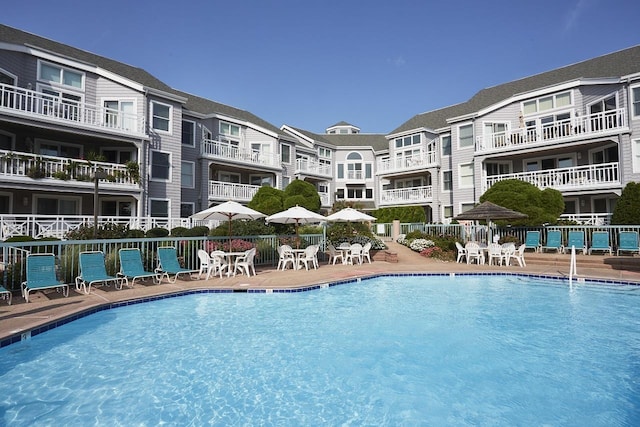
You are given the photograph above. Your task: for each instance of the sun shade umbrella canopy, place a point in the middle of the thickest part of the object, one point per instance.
(296, 215)
(228, 211)
(487, 211)
(349, 215)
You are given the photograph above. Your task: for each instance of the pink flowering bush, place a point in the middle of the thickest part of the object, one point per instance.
(237, 245)
(436, 252)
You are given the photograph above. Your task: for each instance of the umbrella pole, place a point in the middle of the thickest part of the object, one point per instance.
(229, 249)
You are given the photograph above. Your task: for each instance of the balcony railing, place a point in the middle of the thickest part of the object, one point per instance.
(219, 190)
(408, 163)
(599, 176)
(312, 167)
(578, 127)
(588, 218)
(29, 103)
(39, 226)
(35, 167)
(227, 151)
(409, 195)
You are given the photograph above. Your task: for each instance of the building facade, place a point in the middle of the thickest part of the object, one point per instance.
(68, 116)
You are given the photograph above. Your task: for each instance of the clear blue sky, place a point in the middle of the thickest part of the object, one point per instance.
(313, 63)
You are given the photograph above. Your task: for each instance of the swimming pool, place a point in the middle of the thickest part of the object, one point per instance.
(408, 350)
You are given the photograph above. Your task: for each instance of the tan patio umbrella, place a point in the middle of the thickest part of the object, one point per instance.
(487, 211)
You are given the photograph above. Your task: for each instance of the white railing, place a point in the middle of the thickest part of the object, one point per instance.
(312, 167)
(21, 101)
(577, 127)
(229, 151)
(34, 166)
(355, 175)
(39, 226)
(406, 195)
(588, 218)
(219, 190)
(566, 179)
(406, 163)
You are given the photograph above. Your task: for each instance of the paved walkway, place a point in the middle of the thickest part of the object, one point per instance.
(43, 308)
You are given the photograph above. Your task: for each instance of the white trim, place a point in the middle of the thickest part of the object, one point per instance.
(157, 199)
(243, 123)
(635, 150)
(473, 136)
(460, 165)
(11, 75)
(152, 102)
(442, 189)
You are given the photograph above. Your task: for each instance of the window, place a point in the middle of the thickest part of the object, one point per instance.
(407, 141)
(229, 177)
(498, 168)
(229, 130)
(187, 175)
(285, 153)
(446, 145)
(358, 193)
(261, 180)
(5, 203)
(340, 171)
(447, 212)
(447, 181)
(62, 76)
(285, 181)
(466, 207)
(56, 149)
(119, 114)
(159, 208)
(6, 141)
(324, 152)
(186, 210)
(161, 116)
(635, 101)
(57, 206)
(466, 175)
(118, 156)
(188, 133)
(354, 166)
(116, 208)
(465, 136)
(547, 103)
(160, 165)
(635, 150)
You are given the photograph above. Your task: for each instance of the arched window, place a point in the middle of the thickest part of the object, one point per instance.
(354, 166)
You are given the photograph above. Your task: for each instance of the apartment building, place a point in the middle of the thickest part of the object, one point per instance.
(68, 116)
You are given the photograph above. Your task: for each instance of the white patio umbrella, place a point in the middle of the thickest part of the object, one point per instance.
(349, 215)
(228, 211)
(296, 215)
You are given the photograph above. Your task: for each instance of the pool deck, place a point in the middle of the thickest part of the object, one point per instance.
(45, 308)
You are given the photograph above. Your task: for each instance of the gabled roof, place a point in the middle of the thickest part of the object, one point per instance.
(377, 142)
(617, 64)
(194, 103)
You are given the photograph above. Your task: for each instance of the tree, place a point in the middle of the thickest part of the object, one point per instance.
(267, 200)
(627, 210)
(301, 193)
(405, 214)
(541, 206)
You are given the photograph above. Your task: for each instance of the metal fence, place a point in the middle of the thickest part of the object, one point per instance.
(13, 255)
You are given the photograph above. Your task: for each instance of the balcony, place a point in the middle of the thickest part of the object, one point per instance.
(219, 190)
(603, 176)
(573, 129)
(312, 167)
(32, 105)
(406, 196)
(407, 163)
(229, 152)
(27, 167)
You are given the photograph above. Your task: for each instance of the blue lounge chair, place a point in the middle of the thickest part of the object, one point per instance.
(168, 264)
(628, 242)
(576, 238)
(600, 242)
(41, 275)
(554, 241)
(532, 240)
(4, 293)
(131, 267)
(93, 270)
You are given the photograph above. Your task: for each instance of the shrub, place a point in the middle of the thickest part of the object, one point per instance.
(179, 231)
(157, 232)
(197, 231)
(419, 245)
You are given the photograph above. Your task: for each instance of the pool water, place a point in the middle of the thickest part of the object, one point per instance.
(414, 350)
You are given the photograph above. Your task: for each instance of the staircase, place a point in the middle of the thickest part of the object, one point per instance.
(595, 261)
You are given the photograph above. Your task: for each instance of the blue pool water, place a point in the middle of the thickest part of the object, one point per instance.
(436, 350)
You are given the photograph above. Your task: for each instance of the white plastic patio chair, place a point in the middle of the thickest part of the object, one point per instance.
(244, 263)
